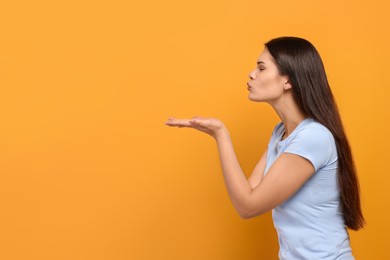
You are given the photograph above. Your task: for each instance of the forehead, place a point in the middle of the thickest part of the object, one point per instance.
(265, 57)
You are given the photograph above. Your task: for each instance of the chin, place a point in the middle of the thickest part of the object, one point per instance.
(254, 99)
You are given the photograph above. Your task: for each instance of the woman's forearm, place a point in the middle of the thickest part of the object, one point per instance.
(237, 185)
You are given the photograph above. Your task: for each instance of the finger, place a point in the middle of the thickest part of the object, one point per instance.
(197, 121)
(169, 120)
(178, 122)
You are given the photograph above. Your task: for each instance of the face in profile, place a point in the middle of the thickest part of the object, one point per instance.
(266, 84)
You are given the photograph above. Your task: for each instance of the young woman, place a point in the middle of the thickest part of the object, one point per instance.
(306, 176)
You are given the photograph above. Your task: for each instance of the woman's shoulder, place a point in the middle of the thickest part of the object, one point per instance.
(315, 129)
(313, 141)
(308, 129)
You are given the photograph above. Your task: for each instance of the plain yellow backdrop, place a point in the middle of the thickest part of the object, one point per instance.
(89, 170)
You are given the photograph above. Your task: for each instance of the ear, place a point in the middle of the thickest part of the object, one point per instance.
(287, 85)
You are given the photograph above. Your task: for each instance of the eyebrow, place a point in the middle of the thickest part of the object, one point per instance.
(260, 62)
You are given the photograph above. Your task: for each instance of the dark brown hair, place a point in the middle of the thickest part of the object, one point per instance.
(298, 59)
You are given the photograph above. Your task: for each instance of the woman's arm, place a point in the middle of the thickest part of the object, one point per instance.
(287, 174)
(258, 172)
(238, 186)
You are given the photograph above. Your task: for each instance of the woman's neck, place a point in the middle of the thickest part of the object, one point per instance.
(289, 113)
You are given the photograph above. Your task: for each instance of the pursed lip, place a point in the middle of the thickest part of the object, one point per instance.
(249, 86)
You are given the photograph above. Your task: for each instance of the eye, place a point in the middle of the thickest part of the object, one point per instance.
(261, 69)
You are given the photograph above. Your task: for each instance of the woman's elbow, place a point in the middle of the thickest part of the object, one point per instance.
(245, 214)
(248, 214)
(248, 209)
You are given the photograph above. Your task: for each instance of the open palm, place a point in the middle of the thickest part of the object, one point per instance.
(208, 125)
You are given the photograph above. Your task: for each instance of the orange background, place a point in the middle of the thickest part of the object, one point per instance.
(88, 170)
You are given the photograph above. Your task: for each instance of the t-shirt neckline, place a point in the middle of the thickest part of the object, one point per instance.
(293, 132)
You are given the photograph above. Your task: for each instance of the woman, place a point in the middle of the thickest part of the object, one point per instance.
(306, 176)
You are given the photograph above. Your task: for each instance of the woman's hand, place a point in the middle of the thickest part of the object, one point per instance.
(208, 125)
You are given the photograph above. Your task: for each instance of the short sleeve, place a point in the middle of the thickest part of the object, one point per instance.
(313, 143)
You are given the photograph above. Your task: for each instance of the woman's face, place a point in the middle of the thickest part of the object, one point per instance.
(265, 84)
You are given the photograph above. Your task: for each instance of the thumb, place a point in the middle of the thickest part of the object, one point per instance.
(196, 120)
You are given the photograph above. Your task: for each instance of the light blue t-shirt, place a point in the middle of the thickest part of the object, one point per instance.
(310, 224)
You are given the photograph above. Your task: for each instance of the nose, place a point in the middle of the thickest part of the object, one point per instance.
(251, 75)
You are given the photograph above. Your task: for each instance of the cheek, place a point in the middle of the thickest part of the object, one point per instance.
(266, 82)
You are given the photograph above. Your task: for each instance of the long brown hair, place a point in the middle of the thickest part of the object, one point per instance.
(298, 59)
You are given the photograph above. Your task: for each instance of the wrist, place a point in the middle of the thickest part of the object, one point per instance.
(221, 133)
